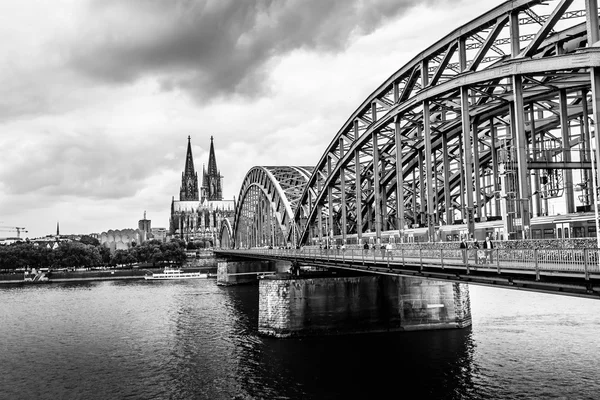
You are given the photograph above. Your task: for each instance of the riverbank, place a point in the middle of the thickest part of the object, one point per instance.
(97, 275)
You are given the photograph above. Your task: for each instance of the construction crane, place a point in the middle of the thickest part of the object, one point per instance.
(17, 229)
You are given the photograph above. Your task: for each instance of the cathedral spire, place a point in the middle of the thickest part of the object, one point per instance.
(211, 181)
(189, 178)
(212, 161)
(189, 160)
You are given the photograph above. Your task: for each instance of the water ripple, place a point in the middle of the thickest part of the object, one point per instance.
(192, 339)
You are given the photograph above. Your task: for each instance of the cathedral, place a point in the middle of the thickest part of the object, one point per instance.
(198, 214)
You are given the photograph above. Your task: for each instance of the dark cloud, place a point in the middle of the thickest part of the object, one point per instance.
(216, 48)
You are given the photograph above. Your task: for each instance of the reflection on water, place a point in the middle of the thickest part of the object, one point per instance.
(193, 339)
(367, 366)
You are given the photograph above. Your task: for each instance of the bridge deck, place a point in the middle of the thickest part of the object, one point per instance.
(574, 272)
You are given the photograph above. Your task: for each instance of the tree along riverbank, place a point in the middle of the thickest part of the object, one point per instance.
(76, 255)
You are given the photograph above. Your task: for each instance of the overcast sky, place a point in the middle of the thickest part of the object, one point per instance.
(99, 96)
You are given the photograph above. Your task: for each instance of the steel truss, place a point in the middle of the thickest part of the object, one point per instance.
(489, 122)
(226, 234)
(268, 199)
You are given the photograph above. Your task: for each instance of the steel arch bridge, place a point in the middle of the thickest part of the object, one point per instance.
(491, 122)
(267, 202)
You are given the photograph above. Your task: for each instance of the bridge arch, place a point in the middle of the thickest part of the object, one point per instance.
(489, 123)
(226, 234)
(267, 202)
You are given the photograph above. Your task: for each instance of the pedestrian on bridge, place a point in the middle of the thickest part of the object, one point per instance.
(479, 254)
(366, 248)
(388, 248)
(489, 252)
(463, 248)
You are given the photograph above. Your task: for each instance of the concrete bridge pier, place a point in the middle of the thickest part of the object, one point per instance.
(340, 305)
(247, 271)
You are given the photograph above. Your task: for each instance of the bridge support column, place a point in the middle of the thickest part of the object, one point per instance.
(341, 305)
(243, 272)
(399, 180)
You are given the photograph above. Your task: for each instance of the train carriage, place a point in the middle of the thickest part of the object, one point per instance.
(577, 225)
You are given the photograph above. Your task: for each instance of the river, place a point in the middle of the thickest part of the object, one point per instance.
(196, 340)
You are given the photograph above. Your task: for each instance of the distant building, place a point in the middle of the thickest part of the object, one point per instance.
(68, 238)
(159, 234)
(199, 212)
(145, 224)
(10, 240)
(122, 239)
(49, 244)
(62, 238)
(49, 241)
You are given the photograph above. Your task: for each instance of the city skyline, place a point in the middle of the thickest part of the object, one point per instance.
(97, 111)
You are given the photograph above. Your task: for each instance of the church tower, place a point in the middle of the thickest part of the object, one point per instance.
(200, 212)
(211, 180)
(189, 178)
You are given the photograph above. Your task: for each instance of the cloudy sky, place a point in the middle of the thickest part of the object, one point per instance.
(99, 96)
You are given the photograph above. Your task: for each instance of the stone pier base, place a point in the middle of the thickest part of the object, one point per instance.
(341, 305)
(244, 272)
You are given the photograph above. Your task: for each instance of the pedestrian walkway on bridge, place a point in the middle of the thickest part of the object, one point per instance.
(563, 271)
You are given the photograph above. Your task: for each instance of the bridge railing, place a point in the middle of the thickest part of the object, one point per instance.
(533, 260)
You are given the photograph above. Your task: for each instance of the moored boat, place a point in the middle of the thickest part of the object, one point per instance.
(176, 273)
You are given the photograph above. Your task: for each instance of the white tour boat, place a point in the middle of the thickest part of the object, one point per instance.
(176, 273)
